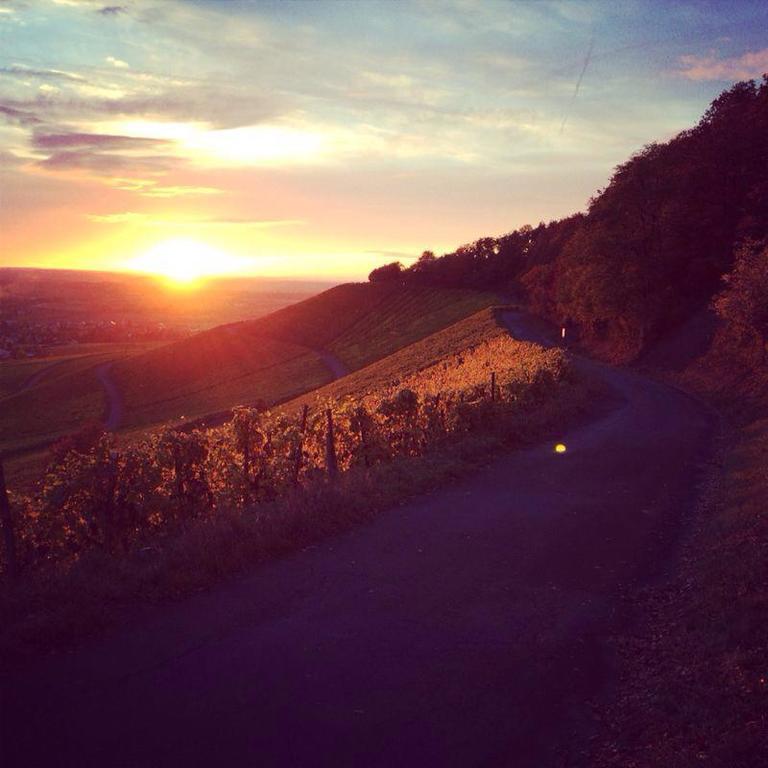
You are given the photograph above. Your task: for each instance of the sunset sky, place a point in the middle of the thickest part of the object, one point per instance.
(323, 139)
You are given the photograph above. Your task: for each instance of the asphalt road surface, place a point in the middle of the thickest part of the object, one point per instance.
(466, 628)
(114, 409)
(332, 363)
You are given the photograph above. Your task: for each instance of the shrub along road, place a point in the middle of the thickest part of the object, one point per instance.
(465, 628)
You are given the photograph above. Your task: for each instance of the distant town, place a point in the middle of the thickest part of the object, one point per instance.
(20, 338)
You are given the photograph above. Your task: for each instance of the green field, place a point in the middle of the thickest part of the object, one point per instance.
(44, 398)
(16, 375)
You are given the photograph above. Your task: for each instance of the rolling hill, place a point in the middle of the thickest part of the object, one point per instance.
(45, 398)
(409, 360)
(273, 358)
(278, 357)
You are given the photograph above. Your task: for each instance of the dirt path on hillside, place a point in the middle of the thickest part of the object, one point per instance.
(464, 628)
(332, 363)
(114, 400)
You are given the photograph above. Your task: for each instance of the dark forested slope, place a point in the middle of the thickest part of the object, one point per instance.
(653, 245)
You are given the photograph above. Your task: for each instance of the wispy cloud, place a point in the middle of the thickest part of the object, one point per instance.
(21, 117)
(112, 10)
(118, 63)
(713, 67)
(148, 219)
(103, 163)
(153, 188)
(93, 141)
(180, 190)
(20, 71)
(127, 217)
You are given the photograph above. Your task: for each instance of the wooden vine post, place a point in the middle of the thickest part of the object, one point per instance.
(9, 535)
(178, 476)
(300, 444)
(364, 441)
(108, 512)
(330, 446)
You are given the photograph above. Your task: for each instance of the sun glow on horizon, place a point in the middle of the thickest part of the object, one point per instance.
(184, 261)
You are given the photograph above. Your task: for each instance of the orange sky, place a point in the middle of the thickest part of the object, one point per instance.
(324, 139)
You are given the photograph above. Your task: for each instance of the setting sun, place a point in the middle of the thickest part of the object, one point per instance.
(184, 260)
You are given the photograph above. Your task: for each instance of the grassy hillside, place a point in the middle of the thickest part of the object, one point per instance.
(44, 398)
(382, 374)
(363, 322)
(272, 358)
(17, 375)
(211, 372)
(268, 359)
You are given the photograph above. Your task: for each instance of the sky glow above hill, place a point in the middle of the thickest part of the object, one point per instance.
(323, 139)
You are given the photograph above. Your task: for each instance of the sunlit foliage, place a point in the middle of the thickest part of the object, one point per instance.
(96, 497)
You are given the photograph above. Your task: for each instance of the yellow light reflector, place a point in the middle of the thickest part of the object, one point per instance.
(560, 448)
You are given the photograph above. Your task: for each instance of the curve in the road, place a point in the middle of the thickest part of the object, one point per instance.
(332, 363)
(465, 628)
(114, 400)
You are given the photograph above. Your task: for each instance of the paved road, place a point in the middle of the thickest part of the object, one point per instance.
(114, 400)
(332, 363)
(466, 628)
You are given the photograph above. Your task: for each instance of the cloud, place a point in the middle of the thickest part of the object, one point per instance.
(119, 63)
(112, 10)
(19, 116)
(116, 218)
(19, 71)
(254, 223)
(103, 163)
(95, 141)
(151, 188)
(179, 190)
(8, 159)
(222, 106)
(99, 153)
(745, 67)
(127, 217)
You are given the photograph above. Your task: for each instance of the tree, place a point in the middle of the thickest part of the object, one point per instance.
(743, 304)
(387, 273)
